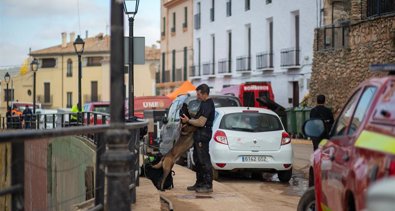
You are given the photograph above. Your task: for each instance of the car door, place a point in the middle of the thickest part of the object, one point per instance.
(345, 157)
(331, 184)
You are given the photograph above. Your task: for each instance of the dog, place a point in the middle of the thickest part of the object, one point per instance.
(184, 142)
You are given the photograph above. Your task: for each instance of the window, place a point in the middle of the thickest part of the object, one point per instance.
(213, 53)
(247, 5)
(230, 51)
(250, 122)
(185, 24)
(163, 67)
(173, 28)
(69, 100)
(345, 117)
(94, 94)
(164, 26)
(197, 17)
(229, 8)
(48, 63)
(94, 61)
(47, 92)
(199, 55)
(173, 66)
(185, 62)
(69, 68)
(268, 1)
(9, 95)
(249, 47)
(212, 10)
(362, 108)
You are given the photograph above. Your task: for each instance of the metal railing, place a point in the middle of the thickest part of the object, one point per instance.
(290, 57)
(243, 64)
(224, 66)
(264, 60)
(195, 71)
(60, 127)
(379, 7)
(333, 37)
(117, 154)
(208, 68)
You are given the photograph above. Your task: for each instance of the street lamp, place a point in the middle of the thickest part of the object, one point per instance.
(7, 81)
(34, 68)
(79, 45)
(131, 7)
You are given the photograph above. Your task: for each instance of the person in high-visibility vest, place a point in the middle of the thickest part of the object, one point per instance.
(74, 116)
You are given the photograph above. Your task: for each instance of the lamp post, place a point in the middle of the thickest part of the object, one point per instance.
(34, 68)
(131, 7)
(7, 81)
(79, 45)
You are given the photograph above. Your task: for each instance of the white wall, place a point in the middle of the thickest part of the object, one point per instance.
(282, 13)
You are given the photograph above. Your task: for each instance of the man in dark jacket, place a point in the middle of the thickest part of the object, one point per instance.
(325, 114)
(204, 119)
(27, 117)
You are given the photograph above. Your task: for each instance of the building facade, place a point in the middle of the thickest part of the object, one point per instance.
(176, 44)
(354, 35)
(238, 41)
(57, 75)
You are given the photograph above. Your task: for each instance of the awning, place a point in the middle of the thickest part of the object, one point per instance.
(183, 89)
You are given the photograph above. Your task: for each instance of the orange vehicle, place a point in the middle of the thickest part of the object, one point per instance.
(248, 92)
(360, 149)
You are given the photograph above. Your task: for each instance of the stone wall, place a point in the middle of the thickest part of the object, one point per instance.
(337, 72)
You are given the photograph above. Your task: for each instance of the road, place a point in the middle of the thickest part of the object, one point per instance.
(268, 192)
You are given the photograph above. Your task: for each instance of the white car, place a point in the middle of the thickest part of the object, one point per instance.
(251, 139)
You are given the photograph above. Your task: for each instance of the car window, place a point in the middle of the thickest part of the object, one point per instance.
(385, 109)
(250, 122)
(362, 108)
(225, 102)
(173, 111)
(345, 117)
(102, 108)
(193, 107)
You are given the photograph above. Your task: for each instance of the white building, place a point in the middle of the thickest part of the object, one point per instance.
(261, 40)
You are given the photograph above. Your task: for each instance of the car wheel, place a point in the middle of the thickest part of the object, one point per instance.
(307, 201)
(284, 176)
(215, 174)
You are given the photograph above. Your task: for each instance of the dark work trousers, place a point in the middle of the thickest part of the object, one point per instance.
(204, 169)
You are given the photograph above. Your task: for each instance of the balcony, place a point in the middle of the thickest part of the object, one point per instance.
(264, 61)
(208, 69)
(243, 64)
(194, 71)
(197, 21)
(178, 75)
(224, 66)
(333, 37)
(290, 58)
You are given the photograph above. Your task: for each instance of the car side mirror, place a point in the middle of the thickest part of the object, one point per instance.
(380, 195)
(313, 128)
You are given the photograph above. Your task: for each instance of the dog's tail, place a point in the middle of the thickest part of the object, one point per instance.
(158, 165)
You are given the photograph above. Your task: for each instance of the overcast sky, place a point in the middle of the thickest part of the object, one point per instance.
(38, 24)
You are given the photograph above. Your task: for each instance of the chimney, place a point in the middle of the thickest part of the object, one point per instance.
(72, 37)
(86, 34)
(64, 39)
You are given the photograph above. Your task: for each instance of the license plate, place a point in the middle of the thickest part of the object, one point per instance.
(254, 158)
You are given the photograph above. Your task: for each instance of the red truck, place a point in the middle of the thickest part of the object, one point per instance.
(360, 149)
(248, 92)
